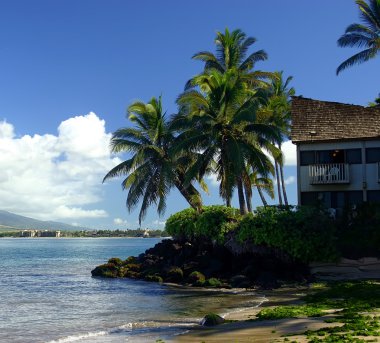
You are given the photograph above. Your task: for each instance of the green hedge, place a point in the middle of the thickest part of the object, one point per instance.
(181, 225)
(359, 231)
(212, 224)
(304, 233)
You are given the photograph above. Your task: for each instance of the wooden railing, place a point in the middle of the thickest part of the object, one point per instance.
(329, 173)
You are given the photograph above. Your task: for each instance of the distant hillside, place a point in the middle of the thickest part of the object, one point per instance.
(16, 221)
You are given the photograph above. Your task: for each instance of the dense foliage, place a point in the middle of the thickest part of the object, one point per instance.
(212, 224)
(219, 128)
(181, 225)
(302, 233)
(359, 231)
(305, 233)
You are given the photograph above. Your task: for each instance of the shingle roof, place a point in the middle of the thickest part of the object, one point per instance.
(315, 120)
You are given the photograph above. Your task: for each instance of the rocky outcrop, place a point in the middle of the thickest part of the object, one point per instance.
(204, 264)
(347, 269)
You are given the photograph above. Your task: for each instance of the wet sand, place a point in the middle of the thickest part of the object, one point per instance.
(243, 330)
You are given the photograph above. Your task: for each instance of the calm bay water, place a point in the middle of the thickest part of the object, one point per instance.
(47, 294)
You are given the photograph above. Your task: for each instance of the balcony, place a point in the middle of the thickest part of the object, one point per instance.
(329, 173)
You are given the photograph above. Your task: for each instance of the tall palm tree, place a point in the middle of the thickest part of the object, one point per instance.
(241, 86)
(231, 53)
(153, 170)
(366, 35)
(220, 120)
(277, 112)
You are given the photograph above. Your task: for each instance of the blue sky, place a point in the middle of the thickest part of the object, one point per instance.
(69, 69)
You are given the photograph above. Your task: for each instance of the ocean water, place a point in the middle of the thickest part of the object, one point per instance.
(47, 294)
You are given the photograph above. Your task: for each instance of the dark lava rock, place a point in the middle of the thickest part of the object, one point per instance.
(239, 281)
(212, 319)
(267, 280)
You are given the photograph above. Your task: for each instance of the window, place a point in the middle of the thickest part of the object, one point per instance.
(372, 155)
(324, 156)
(330, 156)
(354, 156)
(307, 157)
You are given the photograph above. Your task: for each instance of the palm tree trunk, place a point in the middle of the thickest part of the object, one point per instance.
(191, 194)
(262, 196)
(248, 198)
(282, 180)
(228, 202)
(242, 205)
(283, 185)
(278, 183)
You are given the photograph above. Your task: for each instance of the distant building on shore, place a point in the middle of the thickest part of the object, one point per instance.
(28, 233)
(40, 233)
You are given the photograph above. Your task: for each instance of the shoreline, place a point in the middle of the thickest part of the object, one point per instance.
(241, 326)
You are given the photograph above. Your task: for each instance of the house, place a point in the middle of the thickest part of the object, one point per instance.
(338, 152)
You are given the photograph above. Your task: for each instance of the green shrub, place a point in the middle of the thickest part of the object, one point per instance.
(304, 233)
(135, 267)
(212, 224)
(181, 225)
(116, 261)
(215, 221)
(108, 270)
(213, 282)
(130, 259)
(197, 278)
(153, 278)
(131, 274)
(175, 274)
(359, 231)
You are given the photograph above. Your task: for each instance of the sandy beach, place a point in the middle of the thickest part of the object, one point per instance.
(244, 329)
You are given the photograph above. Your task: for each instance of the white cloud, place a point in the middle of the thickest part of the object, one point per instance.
(55, 177)
(119, 221)
(289, 180)
(213, 179)
(290, 153)
(6, 130)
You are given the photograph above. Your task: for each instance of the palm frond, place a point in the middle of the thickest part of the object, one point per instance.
(358, 58)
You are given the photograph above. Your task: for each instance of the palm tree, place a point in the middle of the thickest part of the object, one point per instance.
(153, 170)
(277, 112)
(366, 35)
(262, 184)
(219, 114)
(231, 61)
(231, 53)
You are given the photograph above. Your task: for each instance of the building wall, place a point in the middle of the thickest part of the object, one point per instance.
(363, 177)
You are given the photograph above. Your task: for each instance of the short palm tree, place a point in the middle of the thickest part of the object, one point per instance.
(263, 184)
(153, 170)
(366, 35)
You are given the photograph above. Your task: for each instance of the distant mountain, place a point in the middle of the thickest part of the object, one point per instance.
(16, 221)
